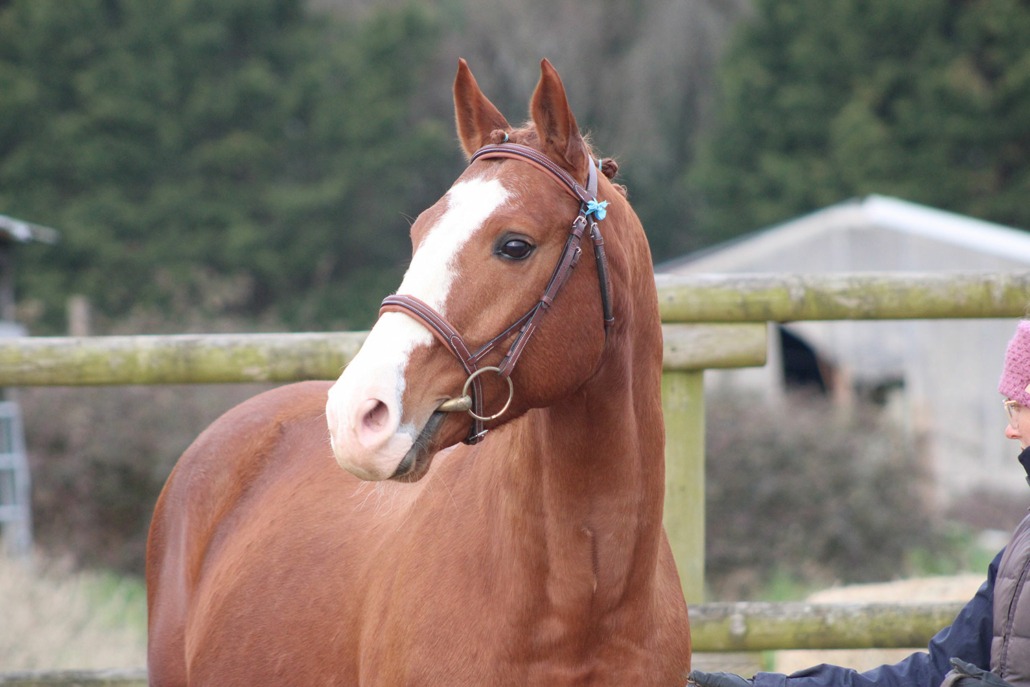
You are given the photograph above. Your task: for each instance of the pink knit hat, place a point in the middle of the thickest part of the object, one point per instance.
(1015, 376)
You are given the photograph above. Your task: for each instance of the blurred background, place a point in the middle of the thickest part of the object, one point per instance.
(254, 165)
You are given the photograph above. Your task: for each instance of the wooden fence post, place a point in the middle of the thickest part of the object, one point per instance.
(683, 402)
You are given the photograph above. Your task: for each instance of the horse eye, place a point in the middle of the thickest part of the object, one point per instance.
(515, 249)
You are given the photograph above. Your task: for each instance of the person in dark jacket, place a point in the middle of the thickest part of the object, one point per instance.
(989, 641)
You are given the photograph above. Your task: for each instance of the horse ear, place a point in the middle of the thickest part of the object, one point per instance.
(555, 124)
(474, 114)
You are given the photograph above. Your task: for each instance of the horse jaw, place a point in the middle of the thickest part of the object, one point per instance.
(370, 429)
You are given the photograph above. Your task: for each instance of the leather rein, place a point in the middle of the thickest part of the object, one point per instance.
(589, 212)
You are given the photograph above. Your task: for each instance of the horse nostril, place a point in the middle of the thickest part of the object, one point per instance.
(375, 417)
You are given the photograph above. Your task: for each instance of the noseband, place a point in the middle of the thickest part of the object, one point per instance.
(589, 213)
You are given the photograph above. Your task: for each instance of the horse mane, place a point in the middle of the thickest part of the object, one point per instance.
(527, 136)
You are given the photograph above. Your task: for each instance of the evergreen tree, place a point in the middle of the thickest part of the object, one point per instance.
(823, 100)
(229, 156)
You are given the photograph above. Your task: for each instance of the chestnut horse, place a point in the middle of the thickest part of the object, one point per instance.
(533, 555)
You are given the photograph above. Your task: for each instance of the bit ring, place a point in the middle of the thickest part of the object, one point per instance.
(511, 393)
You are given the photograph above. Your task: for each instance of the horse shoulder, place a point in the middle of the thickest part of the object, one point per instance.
(206, 490)
(234, 451)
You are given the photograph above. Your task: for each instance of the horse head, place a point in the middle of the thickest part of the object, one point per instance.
(491, 278)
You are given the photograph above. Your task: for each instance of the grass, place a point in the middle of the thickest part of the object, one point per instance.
(57, 619)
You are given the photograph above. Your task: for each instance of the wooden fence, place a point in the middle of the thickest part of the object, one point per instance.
(709, 321)
(731, 627)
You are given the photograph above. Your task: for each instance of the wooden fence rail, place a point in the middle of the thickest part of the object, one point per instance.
(722, 627)
(842, 296)
(715, 628)
(732, 308)
(280, 358)
(76, 678)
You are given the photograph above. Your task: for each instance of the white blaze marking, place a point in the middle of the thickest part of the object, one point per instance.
(431, 274)
(432, 271)
(377, 370)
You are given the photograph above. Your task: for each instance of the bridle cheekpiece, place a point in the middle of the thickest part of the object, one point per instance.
(590, 212)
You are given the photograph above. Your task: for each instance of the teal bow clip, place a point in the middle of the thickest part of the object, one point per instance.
(598, 210)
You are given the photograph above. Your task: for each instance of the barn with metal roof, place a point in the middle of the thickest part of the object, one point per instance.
(939, 377)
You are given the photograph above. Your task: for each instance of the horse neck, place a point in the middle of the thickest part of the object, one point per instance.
(587, 474)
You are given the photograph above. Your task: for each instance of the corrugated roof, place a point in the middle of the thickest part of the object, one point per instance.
(948, 227)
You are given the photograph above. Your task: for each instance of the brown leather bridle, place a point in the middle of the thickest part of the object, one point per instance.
(527, 324)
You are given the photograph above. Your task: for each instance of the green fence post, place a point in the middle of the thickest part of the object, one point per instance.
(684, 406)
